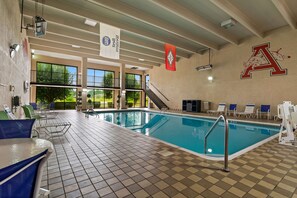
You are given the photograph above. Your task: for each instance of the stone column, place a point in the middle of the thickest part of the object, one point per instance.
(122, 87)
(84, 75)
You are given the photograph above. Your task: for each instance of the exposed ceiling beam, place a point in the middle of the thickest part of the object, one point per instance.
(238, 15)
(124, 55)
(194, 18)
(84, 12)
(134, 13)
(78, 27)
(85, 52)
(141, 53)
(78, 54)
(286, 12)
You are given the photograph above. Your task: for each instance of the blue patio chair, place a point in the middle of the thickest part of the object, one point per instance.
(16, 128)
(34, 105)
(264, 109)
(21, 180)
(52, 106)
(232, 109)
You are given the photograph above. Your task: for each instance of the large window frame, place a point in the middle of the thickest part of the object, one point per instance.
(92, 82)
(51, 81)
(132, 84)
(105, 104)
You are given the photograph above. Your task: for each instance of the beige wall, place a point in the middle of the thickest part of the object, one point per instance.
(187, 83)
(14, 71)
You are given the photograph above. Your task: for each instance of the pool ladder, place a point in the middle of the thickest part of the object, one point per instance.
(224, 118)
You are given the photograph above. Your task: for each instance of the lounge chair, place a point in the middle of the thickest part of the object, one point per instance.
(249, 111)
(51, 129)
(16, 128)
(3, 115)
(34, 105)
(30, 114)
(264, 110)
(232, 109)
(220, 110)
(8, 112)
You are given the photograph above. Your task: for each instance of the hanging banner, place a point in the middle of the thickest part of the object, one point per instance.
(109, 41)
(170, 57)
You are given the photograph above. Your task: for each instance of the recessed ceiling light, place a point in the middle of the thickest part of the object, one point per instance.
(75, 46)
(141, 59)
(90, 22)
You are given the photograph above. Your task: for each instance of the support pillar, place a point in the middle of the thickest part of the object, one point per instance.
(122, 87)
(84, 75)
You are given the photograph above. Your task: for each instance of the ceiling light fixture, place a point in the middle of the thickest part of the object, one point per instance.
(228, 23)
(75, 46)
(91, 22)
(210, 78)
(141, 59)
(13, 49)
(205, 67)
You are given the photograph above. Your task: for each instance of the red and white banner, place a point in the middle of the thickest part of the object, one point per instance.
(170, 57)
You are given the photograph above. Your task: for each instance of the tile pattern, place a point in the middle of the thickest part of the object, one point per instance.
(98, 159)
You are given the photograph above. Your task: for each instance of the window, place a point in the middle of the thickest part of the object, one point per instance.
(133, 81)
(59, 97)
(56, 74)
(100, 78)
(133, 98)
(101, 99)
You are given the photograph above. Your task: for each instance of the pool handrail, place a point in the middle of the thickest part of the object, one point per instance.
(224, 118)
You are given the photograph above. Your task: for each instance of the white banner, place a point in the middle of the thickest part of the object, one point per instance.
(109, 41)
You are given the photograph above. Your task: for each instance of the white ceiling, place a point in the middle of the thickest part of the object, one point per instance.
(146, 25)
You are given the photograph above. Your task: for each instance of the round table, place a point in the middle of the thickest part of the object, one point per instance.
(15, 150)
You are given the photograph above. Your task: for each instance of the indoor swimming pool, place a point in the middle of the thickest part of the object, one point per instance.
(188, 132)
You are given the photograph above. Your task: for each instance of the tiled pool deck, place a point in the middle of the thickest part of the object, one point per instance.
(98, 159)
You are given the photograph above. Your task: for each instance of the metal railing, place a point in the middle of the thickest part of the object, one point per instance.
(147, 86)
(226, 145)
(54, 78)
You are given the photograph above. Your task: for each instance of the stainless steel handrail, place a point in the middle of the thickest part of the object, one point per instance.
(224, 118)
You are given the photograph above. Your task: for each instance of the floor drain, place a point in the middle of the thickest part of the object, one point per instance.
(165, 153)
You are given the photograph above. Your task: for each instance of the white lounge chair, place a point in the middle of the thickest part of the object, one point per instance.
(249, 111)
(221, 109)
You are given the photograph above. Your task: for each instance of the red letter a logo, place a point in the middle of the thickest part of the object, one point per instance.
(262, 59)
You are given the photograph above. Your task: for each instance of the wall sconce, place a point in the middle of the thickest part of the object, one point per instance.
(13, 49)
(210, 78)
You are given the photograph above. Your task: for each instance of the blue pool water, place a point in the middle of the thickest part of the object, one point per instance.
(188, 132)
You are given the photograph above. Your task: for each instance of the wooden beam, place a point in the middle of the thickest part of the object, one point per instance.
(195, 19)
(51, 44)
(93, 46)
(283, 7)
(238, 15)
(86, 12)
(93, 33)
(78, 54)
(134, 13)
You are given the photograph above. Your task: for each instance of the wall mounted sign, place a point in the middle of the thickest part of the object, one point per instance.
(109, 41)
(264, 59)
(170, 57)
